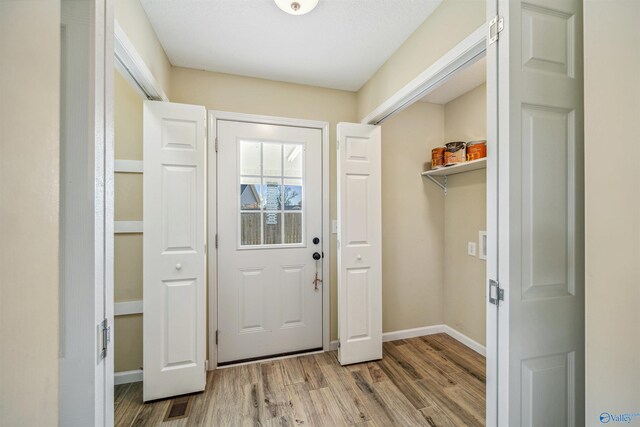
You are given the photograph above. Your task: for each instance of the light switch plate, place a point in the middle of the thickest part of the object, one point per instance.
(471, 248)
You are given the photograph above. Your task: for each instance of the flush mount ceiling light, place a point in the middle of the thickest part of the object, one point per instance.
(297, 7)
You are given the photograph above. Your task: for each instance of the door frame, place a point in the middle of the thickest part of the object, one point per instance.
(97, 304)
(212, 203)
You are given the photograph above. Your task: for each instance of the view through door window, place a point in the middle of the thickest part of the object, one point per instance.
(271, 193)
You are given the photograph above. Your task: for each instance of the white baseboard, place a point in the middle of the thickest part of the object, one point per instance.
(412, 333)
(427, 330)
(126, 377)
(459, 336)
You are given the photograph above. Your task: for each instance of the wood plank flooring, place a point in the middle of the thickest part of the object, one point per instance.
(427, 381)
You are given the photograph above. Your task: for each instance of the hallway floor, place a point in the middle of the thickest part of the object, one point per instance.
(426, 381)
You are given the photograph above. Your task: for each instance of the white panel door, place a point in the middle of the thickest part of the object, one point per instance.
(269, 227)
(359, 243)
(540, 189)
(174, 249)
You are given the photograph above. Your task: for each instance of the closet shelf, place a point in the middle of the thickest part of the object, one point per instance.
(452, 170)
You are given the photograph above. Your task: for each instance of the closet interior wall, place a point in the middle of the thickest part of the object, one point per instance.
(425, 233)
(128, 207)
(465, 215)
(412, 221)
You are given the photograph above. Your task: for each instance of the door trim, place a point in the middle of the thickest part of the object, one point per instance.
(460, 56)
(212, 253)
(132, 67)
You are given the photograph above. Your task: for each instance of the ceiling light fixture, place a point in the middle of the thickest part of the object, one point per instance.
(297, 7)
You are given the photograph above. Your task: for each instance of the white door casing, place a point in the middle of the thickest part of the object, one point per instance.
(491, 332)
(540, 214)
(359, 243)
(86, 213)
(267, 302)
(174, 249)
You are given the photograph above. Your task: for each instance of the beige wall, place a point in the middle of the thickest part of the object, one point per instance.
(465, 214)
(412, 220)
(612, 211)
(449, 24)
(256, 96)
(29, 197)
(128, 207)
(128, 120)
(133, 20)
(128, 344)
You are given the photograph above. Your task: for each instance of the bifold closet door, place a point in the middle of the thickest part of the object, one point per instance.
(359, 243)
(539, 182)
(174, 249)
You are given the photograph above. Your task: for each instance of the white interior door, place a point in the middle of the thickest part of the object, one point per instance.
(540, 214)
(174, 249)
(359, 243)
(269, 227)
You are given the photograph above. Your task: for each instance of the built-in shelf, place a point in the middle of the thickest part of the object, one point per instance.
(127, 166)
(452, 170)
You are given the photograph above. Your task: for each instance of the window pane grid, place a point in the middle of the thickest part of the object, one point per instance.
(280, 198)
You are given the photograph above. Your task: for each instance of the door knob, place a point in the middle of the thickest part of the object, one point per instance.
(316, 256)
(178, 266)
(316, 240)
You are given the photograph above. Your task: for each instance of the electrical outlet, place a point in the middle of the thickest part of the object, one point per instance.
(471, 248)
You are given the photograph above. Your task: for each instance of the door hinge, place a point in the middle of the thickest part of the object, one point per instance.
(104, 337)
(216, 241)
(496, 25)
(496, 293)
(216, 144)
(217, 333)
(338, 343)
(205, 248)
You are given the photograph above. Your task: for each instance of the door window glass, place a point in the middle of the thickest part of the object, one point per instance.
(271, 193)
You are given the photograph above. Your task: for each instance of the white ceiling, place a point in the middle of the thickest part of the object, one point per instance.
(460, 83)
(339, 45)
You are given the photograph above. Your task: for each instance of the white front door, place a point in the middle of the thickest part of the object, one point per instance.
(269, 227)
(359, 243)
(539, 183)
(174, 249)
